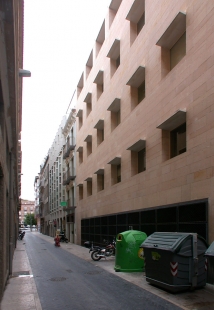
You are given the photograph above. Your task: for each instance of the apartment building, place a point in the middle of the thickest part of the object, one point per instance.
(11, 73)
(54, 187)
(43, 196)
(37, 202)
(27, 206)
(69, 175)
(145, 130)
(55, 219)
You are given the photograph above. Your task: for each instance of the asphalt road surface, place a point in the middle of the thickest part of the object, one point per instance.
(65, 281)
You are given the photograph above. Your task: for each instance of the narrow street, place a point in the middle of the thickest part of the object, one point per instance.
(65, 281)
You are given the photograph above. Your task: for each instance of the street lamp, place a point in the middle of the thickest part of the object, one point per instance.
(24, 73)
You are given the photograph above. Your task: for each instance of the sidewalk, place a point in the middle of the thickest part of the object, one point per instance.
(21, 293)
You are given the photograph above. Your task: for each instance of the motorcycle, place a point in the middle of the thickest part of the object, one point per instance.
(21, 235)
(103, 252)
(63, 237)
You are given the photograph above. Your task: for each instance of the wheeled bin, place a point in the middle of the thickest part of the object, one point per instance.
(128, 256)
(175, 261)
(209, 254)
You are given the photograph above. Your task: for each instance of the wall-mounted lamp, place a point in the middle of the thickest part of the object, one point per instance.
(20, 173)
(24, 73)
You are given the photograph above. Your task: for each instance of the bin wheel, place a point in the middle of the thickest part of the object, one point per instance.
(94, 255)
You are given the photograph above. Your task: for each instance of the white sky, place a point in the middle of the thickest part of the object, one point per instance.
(58, 39)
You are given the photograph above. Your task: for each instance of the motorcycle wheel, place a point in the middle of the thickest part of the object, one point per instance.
(94, 256)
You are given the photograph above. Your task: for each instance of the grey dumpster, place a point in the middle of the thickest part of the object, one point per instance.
(175, 261)
(209, 254)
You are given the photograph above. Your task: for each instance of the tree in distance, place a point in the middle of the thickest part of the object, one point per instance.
(29, 219)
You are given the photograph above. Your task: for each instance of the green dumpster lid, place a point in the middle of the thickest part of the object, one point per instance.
(210, 250)
(166, 240)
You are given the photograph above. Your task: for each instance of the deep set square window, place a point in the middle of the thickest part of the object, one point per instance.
(178, 140)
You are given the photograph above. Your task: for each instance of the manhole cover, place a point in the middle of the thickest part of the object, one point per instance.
(57, 279)
(69, 270)
(93, 272)
(43, 249)
(69, 248)
(20, 250)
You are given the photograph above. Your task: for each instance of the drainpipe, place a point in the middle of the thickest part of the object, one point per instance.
(10, 216)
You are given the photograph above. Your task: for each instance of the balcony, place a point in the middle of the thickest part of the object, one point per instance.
(68, 176)
(70, 205)
(70, 146)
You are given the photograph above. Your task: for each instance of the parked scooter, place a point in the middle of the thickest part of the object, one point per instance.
(21, 235)
(63, 238)
(102, 252)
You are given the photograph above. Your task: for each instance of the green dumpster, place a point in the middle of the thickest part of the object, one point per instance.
(129, 256)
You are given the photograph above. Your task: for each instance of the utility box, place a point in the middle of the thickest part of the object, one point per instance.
(209, 254)
(175, 261)
(128, 256)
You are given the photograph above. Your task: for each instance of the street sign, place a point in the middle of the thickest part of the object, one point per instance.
(63, 203)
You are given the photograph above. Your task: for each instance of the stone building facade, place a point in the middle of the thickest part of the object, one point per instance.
(69, 175)
(54, 187)
(145, 130)
(11, 64)
(27, 206)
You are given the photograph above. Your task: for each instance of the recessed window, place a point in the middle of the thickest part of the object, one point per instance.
(80, 151)
(141, 92)
(89, 186)
(80, 117)
(113, 8)
(174, 135)
(89, 64)
(136, 16)
(178, 141)
(100, 182)
(118, 173)
(80, 85)
(88, 103)
(80, 157)
(114, 108)
(80, 191)
(100, 131)
(88, 141)
(89, 148)
(137, 86)
(138, 157)
(117, 62)
(178, 51)
(114, 55)
(99, 80)
(173, 44)
(100, 179)
(115, 170)
(141, 160)
(100, 38)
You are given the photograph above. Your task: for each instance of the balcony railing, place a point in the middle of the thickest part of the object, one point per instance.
(68, 176)
(71, 205)
(70, 146)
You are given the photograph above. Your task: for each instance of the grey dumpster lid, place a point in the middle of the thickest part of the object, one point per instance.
(210, 250)
(166, 240)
